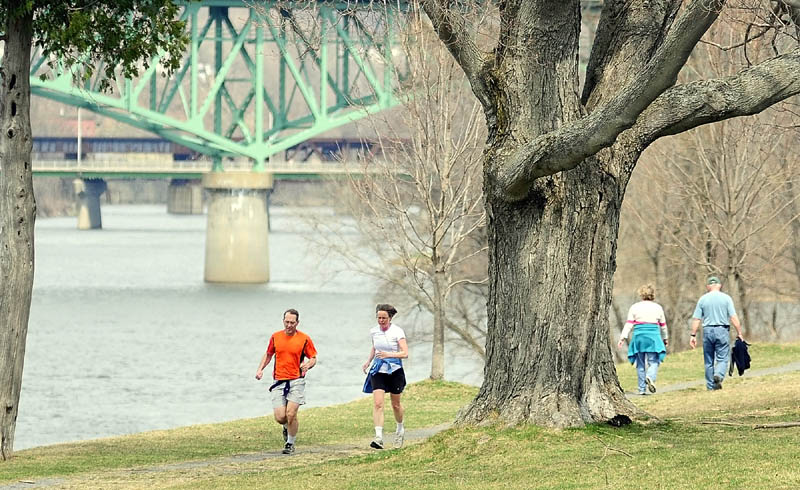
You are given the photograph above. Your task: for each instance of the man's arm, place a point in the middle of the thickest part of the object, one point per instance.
(264, 361)
(307, 364)
(735, 323)
(695, 327)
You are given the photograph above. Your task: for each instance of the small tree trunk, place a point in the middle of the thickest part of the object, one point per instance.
(437, 357)
(795, 244)
(619, 319)
(17, 213)
(551, 265)
(744, 304)
(774, 319)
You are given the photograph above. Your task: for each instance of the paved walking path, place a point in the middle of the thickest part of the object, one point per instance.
(413, 436)
(752, 373)
(338, 451)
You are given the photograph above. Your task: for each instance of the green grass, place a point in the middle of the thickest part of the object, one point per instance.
(683, 445)
(429, 403)
(679, 452)
(688, 365)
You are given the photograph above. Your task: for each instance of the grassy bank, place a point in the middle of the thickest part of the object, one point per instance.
(679, 452)
(697, 439)
(688, 365)
(429, 404)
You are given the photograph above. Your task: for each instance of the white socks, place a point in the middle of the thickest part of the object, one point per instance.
(290, 438)
(379, 430)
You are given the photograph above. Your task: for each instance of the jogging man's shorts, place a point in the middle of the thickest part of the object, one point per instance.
(293, 390)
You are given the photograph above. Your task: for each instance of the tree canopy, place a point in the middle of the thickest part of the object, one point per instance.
(118, 37)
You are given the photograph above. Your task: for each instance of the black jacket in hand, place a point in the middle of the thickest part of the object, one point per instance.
(740, 357)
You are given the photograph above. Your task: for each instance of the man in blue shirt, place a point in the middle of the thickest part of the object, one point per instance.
(715, 310)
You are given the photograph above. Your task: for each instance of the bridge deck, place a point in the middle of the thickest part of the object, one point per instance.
(186, 169)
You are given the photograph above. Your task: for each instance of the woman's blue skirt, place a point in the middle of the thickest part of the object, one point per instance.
(646, 338)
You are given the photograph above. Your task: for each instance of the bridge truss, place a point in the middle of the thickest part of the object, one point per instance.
(257, 78)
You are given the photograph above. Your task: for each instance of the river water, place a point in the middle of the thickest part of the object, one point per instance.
(124, 335)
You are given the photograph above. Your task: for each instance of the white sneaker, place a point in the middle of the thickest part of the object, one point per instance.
(376, 443)
(398, 439)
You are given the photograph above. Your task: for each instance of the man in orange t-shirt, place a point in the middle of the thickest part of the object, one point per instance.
(294, 355)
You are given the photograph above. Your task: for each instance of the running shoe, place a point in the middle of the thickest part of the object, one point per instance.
(376, 443)
(398, 439)
(288, 448)
(650, 385)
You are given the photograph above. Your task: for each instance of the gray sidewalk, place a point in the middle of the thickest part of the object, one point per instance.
(751, 373)
(344, 450)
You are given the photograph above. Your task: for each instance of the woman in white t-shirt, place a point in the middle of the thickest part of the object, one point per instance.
(384, 369)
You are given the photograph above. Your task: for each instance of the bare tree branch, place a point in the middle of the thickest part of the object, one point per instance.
(647, 22)
(565, 148)
(690, 105)
(458, 37)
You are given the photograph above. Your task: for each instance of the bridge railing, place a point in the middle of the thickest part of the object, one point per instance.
(113, 167)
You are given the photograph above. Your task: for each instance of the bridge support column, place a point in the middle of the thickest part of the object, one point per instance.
(237, 233)
(88, 193)
(185, 197)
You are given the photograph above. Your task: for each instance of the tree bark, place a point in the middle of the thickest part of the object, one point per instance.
(17, 212)
(744, 302)
(552, 260)
(552, 253)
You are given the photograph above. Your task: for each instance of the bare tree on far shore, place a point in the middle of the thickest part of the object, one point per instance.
(418, 202)
(714, 200)
(647, 250)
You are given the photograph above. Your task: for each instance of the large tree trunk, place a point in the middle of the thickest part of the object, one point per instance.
(552, 259)
(555, 172)
(17, 212)
(551, 253)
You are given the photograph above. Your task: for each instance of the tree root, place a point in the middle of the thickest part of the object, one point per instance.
(558, 410)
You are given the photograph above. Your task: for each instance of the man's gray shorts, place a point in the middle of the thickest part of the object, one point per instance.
(296, 392)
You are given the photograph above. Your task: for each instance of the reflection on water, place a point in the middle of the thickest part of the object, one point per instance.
(124, 335)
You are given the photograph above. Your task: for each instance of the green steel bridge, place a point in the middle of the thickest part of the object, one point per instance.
(259, 77)
(133, 166)
(256, 79)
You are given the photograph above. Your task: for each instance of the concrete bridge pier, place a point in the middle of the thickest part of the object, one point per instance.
(88, 193)
(237, 233)
(185, 196)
